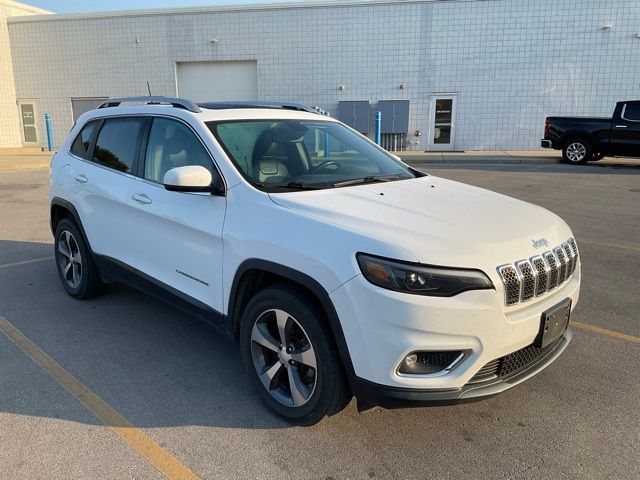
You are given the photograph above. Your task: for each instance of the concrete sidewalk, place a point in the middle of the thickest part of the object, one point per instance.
(29, 158)
(23, 160)
(536, 157)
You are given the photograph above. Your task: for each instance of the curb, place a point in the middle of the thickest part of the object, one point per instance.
(471, 159)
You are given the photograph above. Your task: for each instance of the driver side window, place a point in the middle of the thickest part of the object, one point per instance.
(172, 144)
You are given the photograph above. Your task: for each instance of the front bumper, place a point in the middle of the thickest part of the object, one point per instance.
(395, 397)
(381, 327)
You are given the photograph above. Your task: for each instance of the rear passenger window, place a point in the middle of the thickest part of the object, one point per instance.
(116, 143)
(632, 112)
(82, 142)
(172, 144)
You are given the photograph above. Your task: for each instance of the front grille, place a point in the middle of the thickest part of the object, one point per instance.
(531, 278)
(513, 363)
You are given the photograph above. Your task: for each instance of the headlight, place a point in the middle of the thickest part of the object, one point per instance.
(421, 279)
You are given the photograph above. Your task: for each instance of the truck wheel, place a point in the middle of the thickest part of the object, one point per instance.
(576, 151)
(289, 353)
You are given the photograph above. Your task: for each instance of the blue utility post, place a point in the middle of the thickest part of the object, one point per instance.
(378, 127)
(327, 150)
(47, 123)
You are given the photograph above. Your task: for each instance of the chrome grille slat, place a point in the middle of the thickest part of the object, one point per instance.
(512, 283)
(528, 289)
(571, 258)
(562, 264)
(553, 270)
(542, 274)
(525, 279)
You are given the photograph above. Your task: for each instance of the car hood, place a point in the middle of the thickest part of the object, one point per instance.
(439, 221)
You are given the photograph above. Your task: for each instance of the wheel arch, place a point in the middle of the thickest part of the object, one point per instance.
(577, 135)
(255, 274)
(61, 209)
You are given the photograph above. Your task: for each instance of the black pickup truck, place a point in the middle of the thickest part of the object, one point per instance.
(582, 139)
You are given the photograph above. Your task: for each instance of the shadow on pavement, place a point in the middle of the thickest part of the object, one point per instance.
(154, 364)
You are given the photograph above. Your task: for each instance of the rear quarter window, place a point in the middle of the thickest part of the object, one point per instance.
(82, 143)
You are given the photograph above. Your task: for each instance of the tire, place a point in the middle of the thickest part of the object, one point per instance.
(577, 151)
(77, 271)
(321, 391)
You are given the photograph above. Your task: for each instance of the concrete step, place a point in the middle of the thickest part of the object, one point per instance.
(495, 157)
(20, 151)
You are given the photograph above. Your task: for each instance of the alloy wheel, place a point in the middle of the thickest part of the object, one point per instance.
(69, 259)
(284, 358)
(576, 152)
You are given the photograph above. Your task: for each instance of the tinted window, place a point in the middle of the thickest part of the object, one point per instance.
(632, 112)
(82, 142)
(116, 143)
(172, 144)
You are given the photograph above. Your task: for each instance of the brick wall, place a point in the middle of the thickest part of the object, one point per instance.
(511, 62)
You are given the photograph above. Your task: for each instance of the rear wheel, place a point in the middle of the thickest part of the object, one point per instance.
(290, 356)
(77, 272)
(577, 151)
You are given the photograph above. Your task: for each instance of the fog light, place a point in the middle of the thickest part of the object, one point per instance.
(429, 363)
(411, 359)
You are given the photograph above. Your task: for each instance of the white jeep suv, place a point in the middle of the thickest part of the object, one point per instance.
(339, 269)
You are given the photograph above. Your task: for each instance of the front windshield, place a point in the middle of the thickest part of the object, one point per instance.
(294, 154)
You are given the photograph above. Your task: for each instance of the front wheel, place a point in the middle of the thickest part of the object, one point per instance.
(577, 152)
(290, 356)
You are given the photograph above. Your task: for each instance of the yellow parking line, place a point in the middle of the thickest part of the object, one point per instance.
(604, 331)
(611, 245)
(25, 262)
(166, 463)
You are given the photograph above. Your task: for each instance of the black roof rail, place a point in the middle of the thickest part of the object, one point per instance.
(257, 104)
(175, 102)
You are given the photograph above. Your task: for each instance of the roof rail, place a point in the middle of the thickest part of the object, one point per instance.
(175, 102)
(258, 104)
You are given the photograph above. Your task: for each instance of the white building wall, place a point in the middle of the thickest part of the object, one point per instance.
(10, 135)
(511, 62)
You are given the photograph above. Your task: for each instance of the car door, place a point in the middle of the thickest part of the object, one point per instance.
(101, 177)
(176, 237)
(625, 131)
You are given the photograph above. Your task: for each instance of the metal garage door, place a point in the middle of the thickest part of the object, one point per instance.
(217, 81)
(81, 105)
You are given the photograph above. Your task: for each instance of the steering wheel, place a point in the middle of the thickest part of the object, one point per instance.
(323, 165)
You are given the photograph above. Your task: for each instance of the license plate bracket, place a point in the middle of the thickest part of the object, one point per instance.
(553, 323)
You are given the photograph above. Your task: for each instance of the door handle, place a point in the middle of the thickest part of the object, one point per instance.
(82, 178)
(621, 126)
(141, 198)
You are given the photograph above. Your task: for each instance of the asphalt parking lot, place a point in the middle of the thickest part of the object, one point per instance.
(187, 403)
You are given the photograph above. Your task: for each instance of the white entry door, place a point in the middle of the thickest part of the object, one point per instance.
(29, 122)
(442, 122)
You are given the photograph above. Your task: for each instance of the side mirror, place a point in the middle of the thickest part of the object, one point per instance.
(191, 178)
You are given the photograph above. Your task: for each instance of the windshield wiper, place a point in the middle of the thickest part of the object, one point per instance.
(291, 185)
(369, 179)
